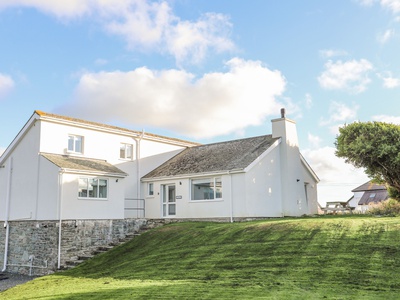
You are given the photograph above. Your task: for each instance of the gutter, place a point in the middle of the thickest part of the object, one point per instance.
(7, 217)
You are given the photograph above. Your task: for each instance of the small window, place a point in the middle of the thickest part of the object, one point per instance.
(94, 188)
(372, 195)
(75, 143)
(150, 189)
(126, 151)
(206, 189)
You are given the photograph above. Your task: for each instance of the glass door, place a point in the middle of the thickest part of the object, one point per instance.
(168, 200)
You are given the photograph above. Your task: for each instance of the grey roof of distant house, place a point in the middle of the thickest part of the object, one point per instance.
(212, 158)
(373, 196)
(369, 186)
(83, 164)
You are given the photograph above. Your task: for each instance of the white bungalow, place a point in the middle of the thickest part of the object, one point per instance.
(264, 176)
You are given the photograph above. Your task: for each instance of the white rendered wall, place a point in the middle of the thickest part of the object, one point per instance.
(263, 188)
(292, 176)
(73, 207)
(24, 175)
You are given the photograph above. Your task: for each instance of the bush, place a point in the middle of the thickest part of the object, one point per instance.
(390, 208)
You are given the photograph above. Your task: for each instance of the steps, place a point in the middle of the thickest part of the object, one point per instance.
(90, 253)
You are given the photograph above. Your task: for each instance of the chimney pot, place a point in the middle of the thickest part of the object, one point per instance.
(283, 113)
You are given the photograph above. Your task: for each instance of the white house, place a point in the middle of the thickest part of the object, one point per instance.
(263, 176)
(68, 184)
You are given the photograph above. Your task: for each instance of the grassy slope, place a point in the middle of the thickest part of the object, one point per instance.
(311, 258)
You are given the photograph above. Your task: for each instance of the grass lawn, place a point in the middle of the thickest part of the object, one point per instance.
(343, 257)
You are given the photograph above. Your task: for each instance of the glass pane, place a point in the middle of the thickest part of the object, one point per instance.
(78, 144)
(129, 151)
(218, 188)
(92, 188)
(122, 151)
(70, 143)
(151, 189)
(202, 189)
(102, 188)
(171, 209)
(171, 194)
(82, 189)
(164, 210)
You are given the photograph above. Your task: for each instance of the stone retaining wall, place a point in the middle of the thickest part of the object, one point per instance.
(33, 245)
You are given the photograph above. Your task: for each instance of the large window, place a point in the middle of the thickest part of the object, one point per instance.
(75, 143)
(93, 188)
(206, 188)
(126, 151)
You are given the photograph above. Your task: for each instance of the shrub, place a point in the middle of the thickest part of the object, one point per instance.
(389, 208)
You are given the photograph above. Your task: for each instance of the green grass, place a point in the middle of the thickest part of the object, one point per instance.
(353, 257)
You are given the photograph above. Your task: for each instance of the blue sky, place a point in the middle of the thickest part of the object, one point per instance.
(206, 71)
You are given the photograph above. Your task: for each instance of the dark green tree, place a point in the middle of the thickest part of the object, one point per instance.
(374, 146)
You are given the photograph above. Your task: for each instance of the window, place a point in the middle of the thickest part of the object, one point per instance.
(75, 143)
(126, 151)
(95, 188)
(207, 188)
(150, 189)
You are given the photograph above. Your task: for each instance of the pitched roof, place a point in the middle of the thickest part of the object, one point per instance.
(373, 196)
(369, 186)
(111, 127)
(212, 158)
(83, 164)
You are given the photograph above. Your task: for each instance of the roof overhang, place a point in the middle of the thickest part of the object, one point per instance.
(193, 175)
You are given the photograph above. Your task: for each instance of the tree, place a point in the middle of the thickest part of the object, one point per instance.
(374, 146)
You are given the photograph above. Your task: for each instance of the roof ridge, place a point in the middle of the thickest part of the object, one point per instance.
(103, 125)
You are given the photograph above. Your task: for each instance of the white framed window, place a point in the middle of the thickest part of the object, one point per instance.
(93, 188)
(75, 143)
(126, 151)
(150, 189)
(206, 189)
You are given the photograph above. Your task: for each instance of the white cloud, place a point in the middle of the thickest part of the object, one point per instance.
(391, 82)
(315, 141)
(215, 104)
(386, 36)
(387, 119)
(392, 5)
(350, 75)
(337, 177)
(329, 53)
(366, 2)
(146, 25)
(6, 84)
(339, 113)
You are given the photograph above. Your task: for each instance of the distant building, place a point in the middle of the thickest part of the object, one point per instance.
(367, 195)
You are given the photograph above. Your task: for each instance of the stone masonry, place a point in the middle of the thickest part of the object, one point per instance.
(33, 245)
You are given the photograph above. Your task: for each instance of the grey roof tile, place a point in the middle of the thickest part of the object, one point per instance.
(82, 164)
(218, 157)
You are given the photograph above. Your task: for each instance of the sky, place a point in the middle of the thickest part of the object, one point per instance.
(206, 71)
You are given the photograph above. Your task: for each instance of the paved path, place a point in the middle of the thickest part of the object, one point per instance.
(9, 280)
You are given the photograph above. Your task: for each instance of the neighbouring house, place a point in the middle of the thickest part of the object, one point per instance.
(67, 185)
(368, 194)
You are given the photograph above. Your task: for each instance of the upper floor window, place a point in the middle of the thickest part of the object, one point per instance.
(206, 188)
(96, 188)
(126, 151)
(75, 143)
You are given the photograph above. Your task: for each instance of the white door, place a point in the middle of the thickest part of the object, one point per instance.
(168, 200)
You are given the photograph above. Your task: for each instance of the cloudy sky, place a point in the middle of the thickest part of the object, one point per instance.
(206, 71)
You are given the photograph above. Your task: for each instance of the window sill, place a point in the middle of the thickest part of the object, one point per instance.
(92, 199)
(206, 200)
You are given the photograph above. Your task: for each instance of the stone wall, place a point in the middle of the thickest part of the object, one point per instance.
(33, 245)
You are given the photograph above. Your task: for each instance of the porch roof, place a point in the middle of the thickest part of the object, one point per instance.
(80, 164)
(212, 158)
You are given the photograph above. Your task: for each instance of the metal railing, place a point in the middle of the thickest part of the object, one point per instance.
(134, 208)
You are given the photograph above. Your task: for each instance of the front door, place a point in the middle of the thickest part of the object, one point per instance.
(168, 200)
